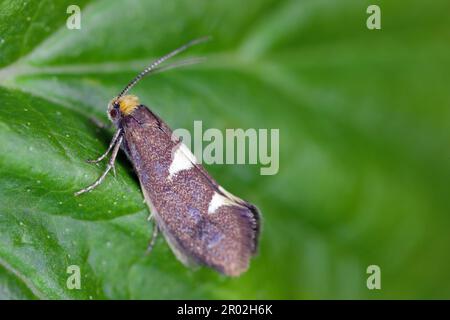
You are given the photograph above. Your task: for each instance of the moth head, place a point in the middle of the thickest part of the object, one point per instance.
(120, 107)
(124, 104)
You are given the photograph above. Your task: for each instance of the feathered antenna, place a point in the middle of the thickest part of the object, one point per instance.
(156, 63)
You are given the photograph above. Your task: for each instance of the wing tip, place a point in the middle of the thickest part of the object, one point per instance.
(256, 226)
(253, 225)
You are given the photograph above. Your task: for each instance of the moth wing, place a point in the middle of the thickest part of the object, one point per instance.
(227, 237)
(202, 222)
(179, 252)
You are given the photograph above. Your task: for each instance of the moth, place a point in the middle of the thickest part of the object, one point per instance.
(202, 222)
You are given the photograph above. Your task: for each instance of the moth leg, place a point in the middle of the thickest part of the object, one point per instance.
(108, 168)
(111, 145)
(154, 237)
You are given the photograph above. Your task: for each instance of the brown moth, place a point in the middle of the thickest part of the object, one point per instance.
(202, 222)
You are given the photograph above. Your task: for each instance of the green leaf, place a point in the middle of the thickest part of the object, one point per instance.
(363, 118)
(12, 287)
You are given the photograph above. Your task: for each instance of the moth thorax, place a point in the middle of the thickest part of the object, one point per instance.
(127, 104)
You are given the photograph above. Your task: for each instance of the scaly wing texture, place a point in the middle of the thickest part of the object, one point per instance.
(201, 221)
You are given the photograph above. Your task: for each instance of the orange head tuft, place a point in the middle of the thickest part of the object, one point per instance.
(127, 104)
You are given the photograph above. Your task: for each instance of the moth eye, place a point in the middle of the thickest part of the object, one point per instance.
(113, 113)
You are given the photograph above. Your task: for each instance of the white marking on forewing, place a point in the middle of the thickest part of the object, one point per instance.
(187, 153)
(217, 201)
(182, 159)
(231, 196)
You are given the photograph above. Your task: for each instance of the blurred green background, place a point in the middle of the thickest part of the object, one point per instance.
(364, 144)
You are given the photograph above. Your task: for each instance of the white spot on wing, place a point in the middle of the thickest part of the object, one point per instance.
(231, 196)
(182, 159)
(217, 201)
